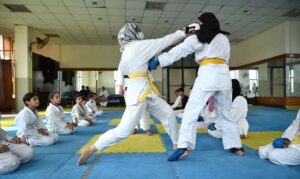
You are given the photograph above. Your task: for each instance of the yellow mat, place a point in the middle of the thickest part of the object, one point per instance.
(7, 122)
(112, 108)
(161, 130)
(116, 121)
(292, 107)
(138, 143)
(257, 139)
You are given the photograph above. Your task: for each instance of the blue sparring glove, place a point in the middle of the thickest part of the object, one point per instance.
(212, 127)
(153, 63)
(279, 142)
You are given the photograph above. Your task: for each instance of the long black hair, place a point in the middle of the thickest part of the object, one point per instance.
(236, 89)
(209, 28)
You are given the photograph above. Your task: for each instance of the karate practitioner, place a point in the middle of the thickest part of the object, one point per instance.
(92, 107)
(212, 52)
(103, 95)
(13, 152)
(238, 112)
(80, 113)
(284, 150)
(140, 92)
(56, 119)
(31, 126)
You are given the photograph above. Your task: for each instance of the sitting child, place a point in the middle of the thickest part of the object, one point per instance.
(284, 150)
(80, 114)
(92, 107)
(31, 126)
(56, 119)
(13, 152)
(238, 111)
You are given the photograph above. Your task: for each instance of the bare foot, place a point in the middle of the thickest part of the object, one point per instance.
(149, 133)
(238, 151)
(184, 154)
(86, 153)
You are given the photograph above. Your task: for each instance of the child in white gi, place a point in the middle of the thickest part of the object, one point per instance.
(56, 119)
(238, 112)
(31, 126)
(284, 150)
(13, 152)
(92, 107)
(80, 114)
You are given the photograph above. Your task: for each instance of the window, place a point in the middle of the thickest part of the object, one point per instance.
(234, 74)
(1, 48)
(253, 80)
(79, 80)
(292, 80)
(6, 48)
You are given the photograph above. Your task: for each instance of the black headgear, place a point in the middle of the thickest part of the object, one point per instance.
(209, 28)
(236, 89)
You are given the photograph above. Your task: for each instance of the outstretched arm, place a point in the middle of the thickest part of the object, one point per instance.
(188, 46)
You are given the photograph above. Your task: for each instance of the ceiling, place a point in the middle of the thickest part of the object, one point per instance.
(98, 21)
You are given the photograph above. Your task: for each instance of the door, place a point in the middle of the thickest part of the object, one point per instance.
(6, 85)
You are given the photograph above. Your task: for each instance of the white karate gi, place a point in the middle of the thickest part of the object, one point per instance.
(79, 114)
(56, 120)
(238, 112)
(105, 94)
(135, 59)
(18, 153)
(285, 156)
(28, 123)
(91, 106)
(177, 102)
(212, 80)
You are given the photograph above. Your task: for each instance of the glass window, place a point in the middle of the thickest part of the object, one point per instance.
(1, 48)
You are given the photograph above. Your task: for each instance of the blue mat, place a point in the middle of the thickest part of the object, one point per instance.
(208, 160)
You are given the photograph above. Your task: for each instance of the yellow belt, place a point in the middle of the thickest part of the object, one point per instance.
(211, 61)
(151, 88)
(296, 140)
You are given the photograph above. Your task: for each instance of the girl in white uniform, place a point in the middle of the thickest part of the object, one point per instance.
(56, 119)
(212, 52)
(13, 152)
(80, 114)
(92, 107)
(284, 150)
(238, 112)
(31, 126)
(140, 92)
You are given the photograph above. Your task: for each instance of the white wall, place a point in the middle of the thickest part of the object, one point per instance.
(283, 38)
(90, 56)
(268, 44)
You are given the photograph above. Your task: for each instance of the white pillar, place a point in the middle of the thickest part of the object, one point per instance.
(23, 64)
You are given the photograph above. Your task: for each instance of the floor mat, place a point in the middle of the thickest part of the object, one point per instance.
(161, 129)
(257, 139)
(137, 143)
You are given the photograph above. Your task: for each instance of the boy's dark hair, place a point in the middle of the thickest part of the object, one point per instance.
(28, 97)
(91, 95)
(79, 96)
(180, 89)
